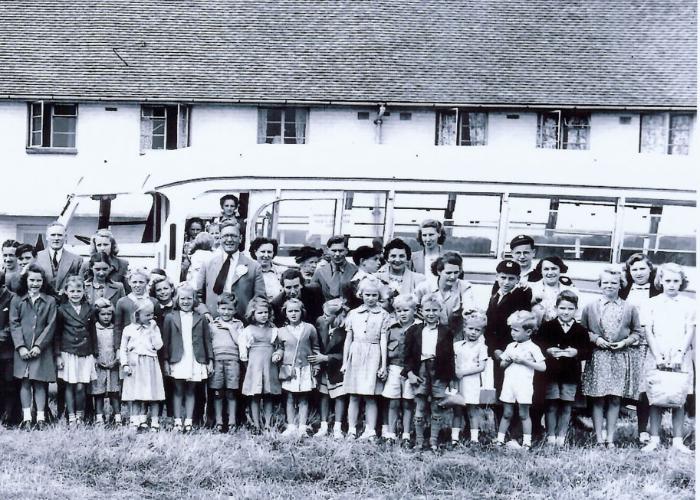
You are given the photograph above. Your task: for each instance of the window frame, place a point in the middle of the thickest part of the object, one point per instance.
(264, 121)
(45, 130)
(178, 113)
(666, 131)
(459, 114)
(563, 129)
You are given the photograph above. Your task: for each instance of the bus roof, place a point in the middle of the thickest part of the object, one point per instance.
(163, 169)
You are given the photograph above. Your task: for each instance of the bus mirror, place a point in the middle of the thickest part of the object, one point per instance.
(173, 242)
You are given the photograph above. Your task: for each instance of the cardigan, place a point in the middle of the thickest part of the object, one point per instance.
(630, 325)
(308, 345)
(111, 291)
(34, 325)
(172, 338)
(563, 370)
(444, 352)
(331, 343)
(75, 332)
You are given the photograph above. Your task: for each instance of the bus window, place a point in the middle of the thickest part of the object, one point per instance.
(571, 229)
(471, 220)
(661, 232)
(297, 222)
(363, 217)
(130, 217)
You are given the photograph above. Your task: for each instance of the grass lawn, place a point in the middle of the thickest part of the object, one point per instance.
(101, 463)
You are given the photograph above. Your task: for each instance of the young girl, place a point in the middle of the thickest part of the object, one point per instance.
(126, 306)
(98, 284)
(331, 336)
(364, 356)
(298, 340)
(613, 327)
(143, 380)
(188, 354)
(225, 381)
(397, 390)
(75, 344)
(256, 346)
(670, 332)
(106, 384)
(32, 324)
(470, 362)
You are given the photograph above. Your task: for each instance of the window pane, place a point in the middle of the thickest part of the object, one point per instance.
(576, 129)
(64, 109)
(653, 133)
(364, 218)
(274, 115)
(274, 132)
(158, 142)
(158, 126)
(447, 128)
(63, 125)
(547, 133)
(299, 222)
(36, 138)
(679, 135)
(63, 140)
(290, 132)
(472, 129)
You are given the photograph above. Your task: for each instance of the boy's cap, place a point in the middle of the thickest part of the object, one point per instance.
(522, 239)
(508, 267)
(305, 253)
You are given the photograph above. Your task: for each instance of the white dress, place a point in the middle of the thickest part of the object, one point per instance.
(187, 368)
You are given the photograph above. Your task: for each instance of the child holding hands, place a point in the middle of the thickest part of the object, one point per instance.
(298, 340)
(106, 382)
(138, 356)
(519, 360)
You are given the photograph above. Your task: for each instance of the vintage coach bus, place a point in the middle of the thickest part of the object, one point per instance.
(585, 208)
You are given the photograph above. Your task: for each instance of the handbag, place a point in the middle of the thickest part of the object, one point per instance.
(286, 371)
(667, 388)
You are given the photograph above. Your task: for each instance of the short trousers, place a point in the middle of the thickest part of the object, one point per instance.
(430, 386)
(515, 391)
(564, 392)
(227, 374)
(396, 386)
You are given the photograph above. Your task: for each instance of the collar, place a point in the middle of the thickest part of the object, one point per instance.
(99, 326)
(430, 327)
(234, 255)
(640, 287)
(666, 298)
(136, 298)
(568, 325)
(58, 253)
(375, 310)
(604, 300)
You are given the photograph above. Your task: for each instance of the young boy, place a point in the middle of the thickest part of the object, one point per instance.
(565, 344)
(470, 361)
(430, 367)
(519, 361)
(225, 381)
(398, 391)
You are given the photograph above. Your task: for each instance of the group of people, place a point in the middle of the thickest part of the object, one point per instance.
(393, 334)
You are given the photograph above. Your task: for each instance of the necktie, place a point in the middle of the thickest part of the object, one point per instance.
(54, 263)
(336, 275)
(221, 277)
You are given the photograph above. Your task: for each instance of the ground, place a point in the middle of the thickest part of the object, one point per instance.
(102, 463)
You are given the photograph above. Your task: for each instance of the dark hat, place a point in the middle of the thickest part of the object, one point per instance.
(508, 267)
(364, 252)
(522, 239)
(305, 253)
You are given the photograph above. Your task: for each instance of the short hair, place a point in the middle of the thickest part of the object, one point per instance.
(203, 241)
(431, 298)
(104, 233)
(212, 225)
(289, 302)
(24, 248)
(526, 319)
(639, 257)
(435, 224)
(291, 274)
(191, 221)
(73, 279)
(260, 241)
(102, 304)
(670, 267)
(476, 317)
(254, 303)
(142, 306)
(333, 306)
(225, 197)
(10, 244)
(157, 281)
(335, 239)
(447, 258)
(230, 223)
(612, 271)
(568, 296)
(227, 298)
(406, 300)
(55, 224)
(138, 272)
(23, 288)
(399, 244)
(95, 258)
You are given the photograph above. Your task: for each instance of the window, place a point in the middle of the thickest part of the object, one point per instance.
(52, 125)
(282, 125)
(665, 133)
(572, 229)
(470, 220)
(661, 232)
(363, 217)
(563, 130)
(165, 127)
(297, 222)
(461, 127)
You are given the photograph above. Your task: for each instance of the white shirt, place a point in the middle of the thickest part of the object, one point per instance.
(58, 253)
(428, 342)
(232, 269)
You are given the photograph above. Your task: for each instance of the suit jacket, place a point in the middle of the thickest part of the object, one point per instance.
(308, 345)
(331, 344)
(6, 346)
(34, 325)
(497, 334)
(630, 325)
(563, 370)
(246, 285)
(112, 291)
(323, 278)
(444, 352)
(172, 338)
(311, 297)
(75, 332)
(67, 266)
(118, 274)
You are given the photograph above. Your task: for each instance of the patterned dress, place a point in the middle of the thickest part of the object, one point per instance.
(365, 327)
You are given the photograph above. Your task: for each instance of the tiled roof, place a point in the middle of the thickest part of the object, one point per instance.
(632, 53)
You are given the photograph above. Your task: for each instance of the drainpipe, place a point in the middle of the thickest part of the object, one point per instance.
(378, 124)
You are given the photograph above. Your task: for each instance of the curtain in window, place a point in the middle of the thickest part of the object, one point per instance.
(473, 129)
(146, 133)
(653, 133)
(447, 128)
(262, 125)
(547, 136)
(679, 134)
(300, 125)
(576, 132)
(183, 126)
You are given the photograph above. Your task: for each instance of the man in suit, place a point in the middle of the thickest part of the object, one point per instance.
(57, 262)
(293, 287)
(331, 278)
(230, 271)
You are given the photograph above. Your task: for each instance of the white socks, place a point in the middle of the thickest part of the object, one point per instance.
(40, 417)
(27, 414)
(406, 435)
(455, 434)
(527, 439)
(501, 438)
(324, 426)
(474, 435)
